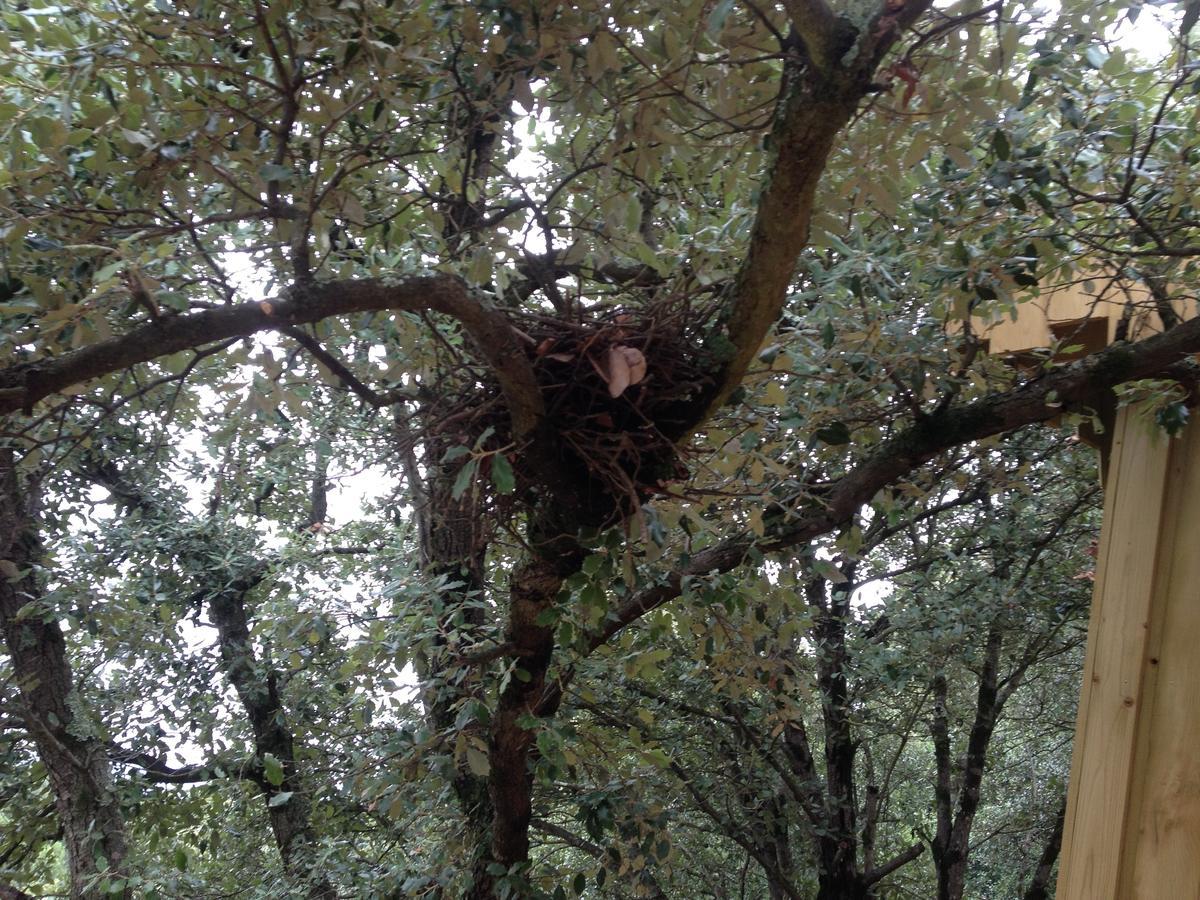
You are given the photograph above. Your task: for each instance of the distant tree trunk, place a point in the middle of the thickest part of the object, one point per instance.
(453, 553)
(256, 684)
(257, 687)
(1039, 886)
(78, 766)
(951, 845)
(832, 808)
(838, 873)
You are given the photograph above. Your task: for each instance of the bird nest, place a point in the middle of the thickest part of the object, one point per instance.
(619, 391)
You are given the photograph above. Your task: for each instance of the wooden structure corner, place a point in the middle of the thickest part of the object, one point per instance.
(1132, 829)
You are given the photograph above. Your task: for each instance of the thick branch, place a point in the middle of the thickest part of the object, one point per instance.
(896, 862)
(818, 101)
(817, 27)
(23, 385)
(1039, 886)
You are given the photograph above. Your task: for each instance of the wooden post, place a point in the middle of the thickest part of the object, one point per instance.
(1132, 829)
(1133, 808)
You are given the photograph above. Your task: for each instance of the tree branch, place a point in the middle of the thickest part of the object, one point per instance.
(1034, 401)
(817, 26)
(156, 769)
(23, 385)
(817, 102)
(896, 862)
(1039, 885)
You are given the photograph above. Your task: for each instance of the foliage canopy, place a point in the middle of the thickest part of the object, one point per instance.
(528, 449)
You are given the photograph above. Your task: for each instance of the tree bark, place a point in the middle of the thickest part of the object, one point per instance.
(257, 686)
(1039, 885)
(951, 847)
(76, 763)
(838, 874)
(535, 587)
(453, 552)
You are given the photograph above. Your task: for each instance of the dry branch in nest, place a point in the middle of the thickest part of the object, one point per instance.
(617, 391)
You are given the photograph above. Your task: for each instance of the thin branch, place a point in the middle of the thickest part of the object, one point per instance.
(157, 770)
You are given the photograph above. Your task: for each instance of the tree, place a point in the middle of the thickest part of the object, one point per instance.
(837, 724)
(626, 301)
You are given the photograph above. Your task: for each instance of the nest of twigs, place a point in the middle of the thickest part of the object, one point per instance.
(619, 390)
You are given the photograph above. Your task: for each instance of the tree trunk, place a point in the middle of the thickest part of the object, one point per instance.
(255, 684)
(1039, 886)
(78, 766)
(951, 846)
(257, 688)
(838, 873)
(535, 586)
(453, 551)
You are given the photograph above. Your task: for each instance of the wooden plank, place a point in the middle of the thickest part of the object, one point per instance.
(1102, 766)
(1162, 838)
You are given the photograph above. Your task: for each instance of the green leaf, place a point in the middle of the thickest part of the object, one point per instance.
(108, 271)
(477, 762)
(502, 474)
(1000, 145)
(466, 475)
(180, 859)
(836, 434)
(828, 336)
(272, 770)
(280, 799)
(657, 757)
(716, 18)
(1095, 56)
(829, 571)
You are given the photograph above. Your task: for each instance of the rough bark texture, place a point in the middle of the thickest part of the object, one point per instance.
(77, 764)
(534, 588)
(831, 69)
(23, 385)
(452, 551)
(830, 802)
